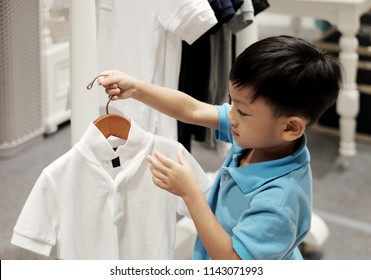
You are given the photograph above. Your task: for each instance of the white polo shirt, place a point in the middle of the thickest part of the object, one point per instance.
(92, 210)
(144, 39)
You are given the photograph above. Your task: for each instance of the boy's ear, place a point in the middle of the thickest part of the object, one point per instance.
(294, 128)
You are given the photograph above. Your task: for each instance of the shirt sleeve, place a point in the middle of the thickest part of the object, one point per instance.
(190, 19)
(223, 133)
(36, 227)
(243, 18)
(266, 231)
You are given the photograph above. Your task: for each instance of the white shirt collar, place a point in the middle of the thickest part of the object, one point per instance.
(96, 148)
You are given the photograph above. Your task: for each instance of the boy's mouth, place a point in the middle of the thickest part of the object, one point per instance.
(234, 133)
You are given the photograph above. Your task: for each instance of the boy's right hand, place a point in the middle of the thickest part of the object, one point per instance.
(117, 84)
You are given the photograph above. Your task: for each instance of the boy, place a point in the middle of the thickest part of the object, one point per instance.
(260, 205)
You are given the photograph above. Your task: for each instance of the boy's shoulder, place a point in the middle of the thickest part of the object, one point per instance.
(295, 167)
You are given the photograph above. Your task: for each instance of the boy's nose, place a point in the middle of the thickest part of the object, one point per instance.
(231, 119)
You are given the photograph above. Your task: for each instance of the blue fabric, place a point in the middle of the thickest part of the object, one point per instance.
(265, 207)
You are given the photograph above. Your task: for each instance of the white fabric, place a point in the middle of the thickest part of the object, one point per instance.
(90, 210)
(143, 38)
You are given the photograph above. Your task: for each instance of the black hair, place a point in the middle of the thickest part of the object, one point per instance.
(290, 74)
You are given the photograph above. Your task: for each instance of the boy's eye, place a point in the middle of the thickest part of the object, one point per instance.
(241, 113)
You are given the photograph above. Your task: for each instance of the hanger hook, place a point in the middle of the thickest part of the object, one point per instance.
(90, 85)
(109, 100)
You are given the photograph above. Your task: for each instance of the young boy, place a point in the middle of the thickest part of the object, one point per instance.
(260, 205)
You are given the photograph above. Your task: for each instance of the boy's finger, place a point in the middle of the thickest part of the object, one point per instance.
(108, 80)
(156, 164)
(112, 91)
(103, 77)
(164, 160)
(182, 158)
(106, 73)
(156, 173)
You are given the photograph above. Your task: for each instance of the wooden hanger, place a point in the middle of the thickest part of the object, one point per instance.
(111, 124)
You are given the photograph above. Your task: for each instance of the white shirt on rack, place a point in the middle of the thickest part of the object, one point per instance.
(92, 210)
(143, 38)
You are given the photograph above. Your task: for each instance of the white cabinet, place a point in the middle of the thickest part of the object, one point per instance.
(55, 66)
(56, 85)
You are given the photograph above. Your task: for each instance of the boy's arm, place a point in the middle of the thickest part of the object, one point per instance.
(215, 239)
(180, 179)
(168, 101)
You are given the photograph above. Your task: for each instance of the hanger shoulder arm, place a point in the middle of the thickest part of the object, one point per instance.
(113, 125)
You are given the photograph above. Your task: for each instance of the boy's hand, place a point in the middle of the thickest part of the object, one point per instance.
(177, 178)
(117, 84)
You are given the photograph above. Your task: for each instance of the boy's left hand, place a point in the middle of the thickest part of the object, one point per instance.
(177, 178)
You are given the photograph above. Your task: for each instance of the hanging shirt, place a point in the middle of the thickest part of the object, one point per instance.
(97, 203)
(143, 38)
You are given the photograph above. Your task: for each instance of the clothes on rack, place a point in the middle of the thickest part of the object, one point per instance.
(143, 38)
(224, 11)
(97, 203)
(223, 52)
(193, 79)
(243, 17)
(206, 63)
(260, 5)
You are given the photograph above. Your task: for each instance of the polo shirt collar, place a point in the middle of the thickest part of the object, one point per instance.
(252, 176)
(96, 148)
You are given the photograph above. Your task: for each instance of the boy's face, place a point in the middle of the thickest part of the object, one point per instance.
(252, 123)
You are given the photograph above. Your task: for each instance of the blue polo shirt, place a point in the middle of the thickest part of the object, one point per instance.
(265, 207)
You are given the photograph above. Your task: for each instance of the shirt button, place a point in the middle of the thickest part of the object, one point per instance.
(224, 176)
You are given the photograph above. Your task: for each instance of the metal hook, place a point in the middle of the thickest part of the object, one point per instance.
(109, 100)
(90, 85)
